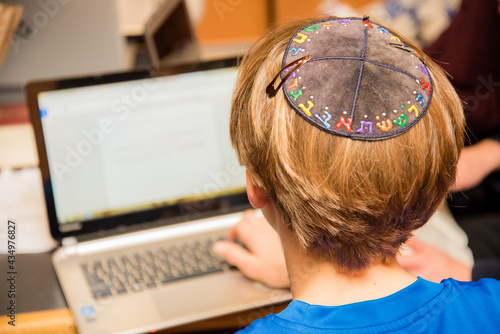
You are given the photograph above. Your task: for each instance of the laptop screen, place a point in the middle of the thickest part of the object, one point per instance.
(137, 145)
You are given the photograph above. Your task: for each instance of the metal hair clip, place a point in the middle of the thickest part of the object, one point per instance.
(270, 90)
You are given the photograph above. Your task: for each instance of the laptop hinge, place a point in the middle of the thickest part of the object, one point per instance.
(69, 245)
(69, 241)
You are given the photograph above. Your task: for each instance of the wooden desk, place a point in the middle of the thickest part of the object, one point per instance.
(60, 321)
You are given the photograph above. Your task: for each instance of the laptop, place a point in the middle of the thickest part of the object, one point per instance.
(139, 180)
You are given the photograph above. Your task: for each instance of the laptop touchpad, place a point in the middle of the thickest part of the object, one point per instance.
(209, 295)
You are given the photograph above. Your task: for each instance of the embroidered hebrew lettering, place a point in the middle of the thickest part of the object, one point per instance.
(365, 125)
(324, 118)
(295, 84)
(307, 110)
(413, 108)
(401, 120)
(382, 29)
(300, 38)
(420, 99)
(424, 70)
(367, 23)
(343, 122)
(312, 28)
(425, 85)
(295, 51)
(299, 49)
(295, 96)
(385, 125)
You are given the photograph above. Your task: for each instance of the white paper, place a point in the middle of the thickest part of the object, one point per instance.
(22, 200)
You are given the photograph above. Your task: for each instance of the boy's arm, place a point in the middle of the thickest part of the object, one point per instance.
(263, 260)
(476, 162)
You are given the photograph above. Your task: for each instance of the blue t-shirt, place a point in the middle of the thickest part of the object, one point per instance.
(422, 307)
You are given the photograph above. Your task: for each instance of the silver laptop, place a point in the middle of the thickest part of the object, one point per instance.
(140, 180)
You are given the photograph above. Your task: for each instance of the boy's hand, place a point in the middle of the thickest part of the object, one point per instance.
(432, 264)
(264, 260)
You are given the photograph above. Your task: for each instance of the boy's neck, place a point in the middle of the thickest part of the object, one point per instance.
(320, 283)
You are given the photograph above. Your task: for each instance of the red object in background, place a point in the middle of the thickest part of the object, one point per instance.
(13, 113)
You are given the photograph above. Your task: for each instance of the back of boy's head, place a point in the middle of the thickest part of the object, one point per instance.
(352, 196)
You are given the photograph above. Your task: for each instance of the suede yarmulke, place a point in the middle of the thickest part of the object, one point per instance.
(361, 81)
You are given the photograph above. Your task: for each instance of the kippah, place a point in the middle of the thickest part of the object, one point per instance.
(359, 80)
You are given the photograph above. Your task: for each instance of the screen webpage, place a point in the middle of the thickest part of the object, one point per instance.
(130, 146)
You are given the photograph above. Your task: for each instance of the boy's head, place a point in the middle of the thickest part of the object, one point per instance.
(360, 144)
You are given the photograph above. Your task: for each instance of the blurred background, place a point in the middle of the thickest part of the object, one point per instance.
(68, 38)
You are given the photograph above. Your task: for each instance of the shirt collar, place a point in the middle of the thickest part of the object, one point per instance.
(367, 313)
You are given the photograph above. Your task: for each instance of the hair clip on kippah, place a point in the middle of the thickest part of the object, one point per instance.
(270, 90)
(358, 80)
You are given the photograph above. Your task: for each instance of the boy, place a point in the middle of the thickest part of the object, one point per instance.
(348, 150)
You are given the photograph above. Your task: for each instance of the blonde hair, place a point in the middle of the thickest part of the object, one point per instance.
(351, 201)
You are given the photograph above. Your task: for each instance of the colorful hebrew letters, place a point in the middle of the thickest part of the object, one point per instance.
(295, 96)
(307, 110)
(382, 29)
(367, 23)
(345, 22)
(425, 85)
(312, 28)
(343, 122)
(300, 38)
(424, 70)
(295, 84)
(325, 118)
(420, 99)
(413, 108)
(401, 120)
(295, 51)
(385, 125)
(365, 125)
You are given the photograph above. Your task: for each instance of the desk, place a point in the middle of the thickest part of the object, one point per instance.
(60, 321)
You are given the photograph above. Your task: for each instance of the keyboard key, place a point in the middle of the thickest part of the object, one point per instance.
(102, 294)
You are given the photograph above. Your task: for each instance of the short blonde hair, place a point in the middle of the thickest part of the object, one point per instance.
(368, 196)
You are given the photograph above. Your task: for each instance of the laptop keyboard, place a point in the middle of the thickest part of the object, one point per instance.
(151, 268)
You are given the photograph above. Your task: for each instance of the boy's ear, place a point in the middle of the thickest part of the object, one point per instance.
(256, 195)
